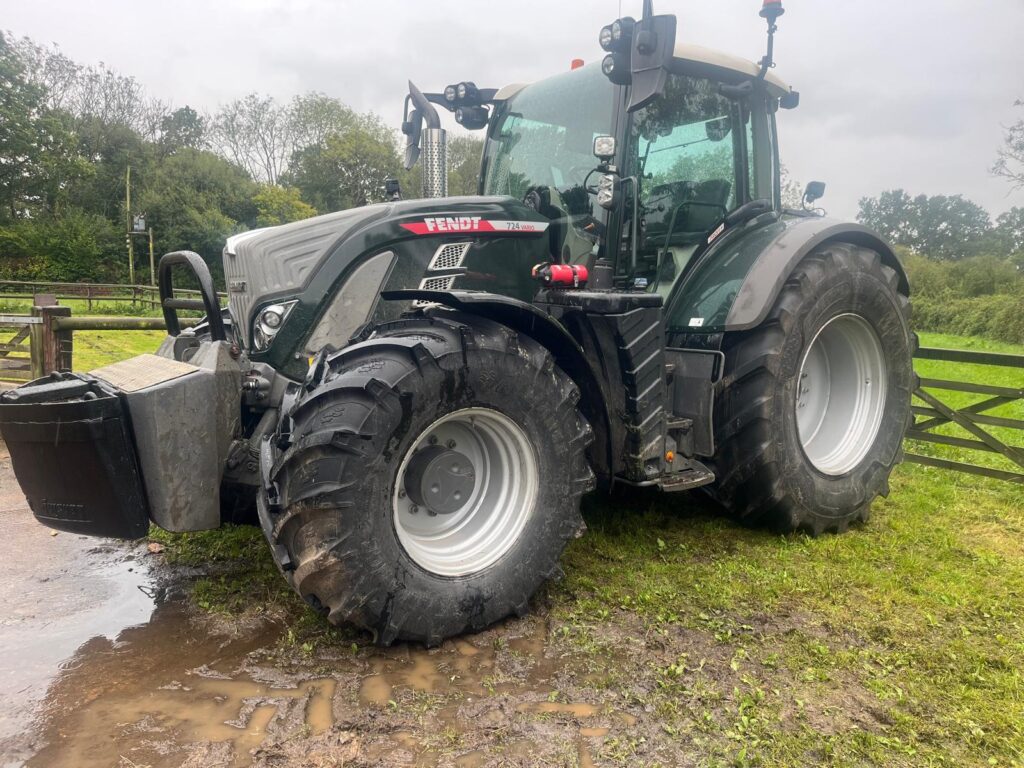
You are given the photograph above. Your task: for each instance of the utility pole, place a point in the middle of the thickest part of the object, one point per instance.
(128, 222)
(152, 263)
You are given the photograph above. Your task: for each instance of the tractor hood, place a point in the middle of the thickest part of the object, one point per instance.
(306, 263)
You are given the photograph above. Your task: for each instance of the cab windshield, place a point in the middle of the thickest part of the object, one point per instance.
(541, 149)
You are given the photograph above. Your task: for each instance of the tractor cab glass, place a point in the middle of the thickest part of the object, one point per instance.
(689, 151)
(541, 149)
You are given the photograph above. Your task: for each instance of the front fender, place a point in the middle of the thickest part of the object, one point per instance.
(734, 286)
(531, 321)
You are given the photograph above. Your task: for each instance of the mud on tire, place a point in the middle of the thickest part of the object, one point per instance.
(329, 501)
(764, 475)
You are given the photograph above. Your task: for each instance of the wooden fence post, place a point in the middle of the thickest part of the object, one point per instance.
(51, 348)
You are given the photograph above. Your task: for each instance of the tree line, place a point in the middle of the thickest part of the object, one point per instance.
(69, 133)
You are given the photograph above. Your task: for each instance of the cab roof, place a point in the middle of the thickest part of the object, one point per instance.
(698, 54)
(702, 57)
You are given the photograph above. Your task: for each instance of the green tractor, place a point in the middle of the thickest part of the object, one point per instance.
(414, 396)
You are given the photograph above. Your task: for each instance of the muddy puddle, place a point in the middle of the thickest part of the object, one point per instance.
(167, 693)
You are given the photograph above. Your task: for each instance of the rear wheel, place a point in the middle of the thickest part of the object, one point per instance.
(816, 400)
(426, 481)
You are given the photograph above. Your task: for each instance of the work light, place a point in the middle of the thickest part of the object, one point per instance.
(450, 94)
(605, 37)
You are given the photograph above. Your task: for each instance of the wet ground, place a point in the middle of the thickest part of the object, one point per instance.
(103, 664)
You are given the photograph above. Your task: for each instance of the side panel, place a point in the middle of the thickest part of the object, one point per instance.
(733, 285)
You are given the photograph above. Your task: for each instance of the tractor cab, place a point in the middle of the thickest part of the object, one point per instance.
(680, 160)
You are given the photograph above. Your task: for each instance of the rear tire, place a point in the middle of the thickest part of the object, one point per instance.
(445, 400)
(806, 439)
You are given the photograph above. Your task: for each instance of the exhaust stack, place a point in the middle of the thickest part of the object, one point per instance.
(435, 162)
(430, 142)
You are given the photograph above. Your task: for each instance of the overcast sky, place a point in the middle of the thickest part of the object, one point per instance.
(896, 93)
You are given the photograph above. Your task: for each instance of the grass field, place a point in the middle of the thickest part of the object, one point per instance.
(899, 643)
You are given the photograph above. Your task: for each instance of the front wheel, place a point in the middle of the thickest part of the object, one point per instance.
(814, 403)
(426, 481)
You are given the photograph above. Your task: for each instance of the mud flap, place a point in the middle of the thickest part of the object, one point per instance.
(73, 453)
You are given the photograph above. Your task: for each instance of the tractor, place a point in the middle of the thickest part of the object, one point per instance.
(412, 397)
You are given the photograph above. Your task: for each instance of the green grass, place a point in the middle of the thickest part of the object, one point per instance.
(93, 349)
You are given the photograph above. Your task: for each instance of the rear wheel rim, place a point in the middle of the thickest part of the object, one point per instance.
(841, 394)
(501, 502)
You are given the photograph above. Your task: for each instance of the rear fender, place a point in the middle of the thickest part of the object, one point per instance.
(529, 320)
(759, 262)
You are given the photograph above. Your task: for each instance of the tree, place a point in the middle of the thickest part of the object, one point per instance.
(255, 133)
(464, 165)
(37, 152)
(1010, 160)
(348, 171)
(280, 205)
(314, 116)
(940, 227)
(195, 200)
(792, 190)
(1008, 236)
(182, 128)
(74, 246)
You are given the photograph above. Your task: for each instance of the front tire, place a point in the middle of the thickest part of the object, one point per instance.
(814, 403)
(425, 482)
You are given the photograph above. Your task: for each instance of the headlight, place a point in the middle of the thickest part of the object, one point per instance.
(268, 323)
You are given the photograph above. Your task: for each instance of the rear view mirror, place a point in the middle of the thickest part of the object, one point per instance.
(412, 129)
(815, 191)
(654, 43)
(717, 130)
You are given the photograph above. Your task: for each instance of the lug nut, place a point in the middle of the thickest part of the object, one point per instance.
(450, 444)
(401, 493)
(413, 509)
(432, 440)
(431, 513)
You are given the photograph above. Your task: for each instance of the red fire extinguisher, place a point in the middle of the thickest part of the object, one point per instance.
(561, 275)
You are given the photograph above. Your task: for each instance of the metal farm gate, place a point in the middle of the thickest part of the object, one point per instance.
(931, 414)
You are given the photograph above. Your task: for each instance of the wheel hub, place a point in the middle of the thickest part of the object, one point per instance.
(841, 394)
(439, 479)
(465, 491)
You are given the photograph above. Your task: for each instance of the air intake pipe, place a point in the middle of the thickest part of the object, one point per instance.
(433, 141)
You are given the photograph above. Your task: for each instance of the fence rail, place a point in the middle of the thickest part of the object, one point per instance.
(139, 296)
(972, 419)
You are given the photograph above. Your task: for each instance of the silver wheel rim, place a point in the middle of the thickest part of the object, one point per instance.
(501, 502)
(841, 394)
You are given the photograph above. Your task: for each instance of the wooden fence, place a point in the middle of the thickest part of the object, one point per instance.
(145, 297)
(43, 341)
